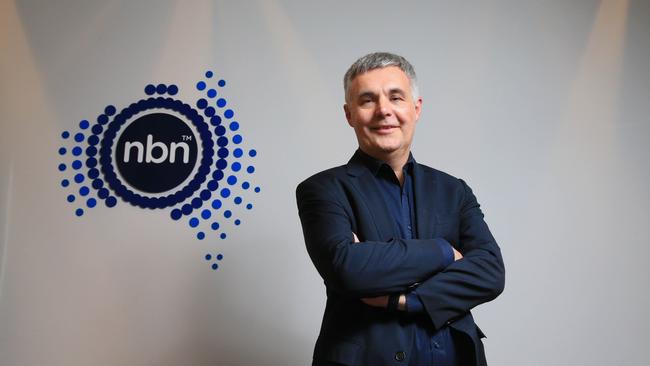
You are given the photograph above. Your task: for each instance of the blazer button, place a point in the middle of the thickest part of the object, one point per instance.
(400, 356)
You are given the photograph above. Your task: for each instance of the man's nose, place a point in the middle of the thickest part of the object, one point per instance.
(384, 108)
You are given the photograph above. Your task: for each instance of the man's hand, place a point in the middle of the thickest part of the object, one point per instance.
(457, 254)
(382, 302)
(356, 239)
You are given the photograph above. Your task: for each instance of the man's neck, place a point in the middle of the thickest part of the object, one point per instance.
(396, 160)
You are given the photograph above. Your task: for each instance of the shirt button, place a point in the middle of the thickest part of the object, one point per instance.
(400, 356)
(409, 227)
(436, 344)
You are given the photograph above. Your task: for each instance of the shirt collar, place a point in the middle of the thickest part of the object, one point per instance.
(375, 165)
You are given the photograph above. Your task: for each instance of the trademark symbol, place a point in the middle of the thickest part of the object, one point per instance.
(186, 138)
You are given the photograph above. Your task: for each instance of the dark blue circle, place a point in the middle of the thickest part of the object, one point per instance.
(209, 111)
(237, 200)
(83, 124)
(237, 222)
(217, 175)
(102, 193)
(76, 165)
(222, 141)
(91, 162)
(91, 151)
(221, 102)
(194, 222)
(102, 119)
(110, 110)
(93, 140)
(77, 150)
(237, 139)
(79, 178)
(176, 214)
(111, 201)
(215, 120)
(186, 209)
(200, 235)
(208, 74)
(97, 129)
(252, 153)
(212, 93)
(221, 83)
(236, 166)
(216, 204)
(79, 137)
(227, 214)
(71, 198)
(79, 212)
(215, 226)
(93, 173)
(220, 131)
(249, 206)
(197, 202)
(149, 89)
(65, 183)
(225, 192)
(222, 164)
(257, 189)
(213, 185)
(205, 194)
(91, 202)
(229, 113)
(219, 257)
(62, 167)
(84, 191)
(205, 214)
(161, 89)
(234, 126)
(222, 236)
(245, 185)
(62, 151)
(208, 257)
(238, 152)
(232, 180)
(250, 169)
(214, 265)
(222, 153)
(65, 134)
(201, 103)
(172, 89)
(98, 183)
(200, 85)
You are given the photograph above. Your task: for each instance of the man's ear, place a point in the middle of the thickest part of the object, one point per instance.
(347, 114)
(418, 108)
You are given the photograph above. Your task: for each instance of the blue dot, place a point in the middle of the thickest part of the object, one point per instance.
(93, 140)
(238, 152)
(250, 169)
(222, 153)
(238, 200)
(216, 204)
(176, 214)
(102, 119)
(98, 183)
(217, 175)
(208, 257)
(65, 183)
(222, 236)
(214, 265)
(194, 222)
(221, 102)
(205, 214)
(79, 137)
(245, 185)
(111, 201)
(62, 167)
(205, 194)
(110, 110)
(237, 222)
(77, 150)
(215, 226)
(161, 89)
(65, 134)
(76, 165)
(186, 209)
(232, 180)
(84, 124)
(71, 198)
(225, 193)
(79, 178)
(197, 202)
(102, 193)
(249, 206)
(212, 93)
(257, 189)
(219, 257)
(220, 131)
(84, 191)
(200, 85)
(237, 139)
(91, 202)
(149, 89)
(213, 185)
(201, 103)
(172, 89)
(208, 74)
(79, 212)
(97, 129)
(234, 126)
(93, 173)
(62, 151)
(200, 235)
(221, 164)
(209, 111)
(252, 153)
(91, 162)
(229, 113)
(227, 214)
(221, 83)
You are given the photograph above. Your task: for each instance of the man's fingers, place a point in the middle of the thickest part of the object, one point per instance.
(457, 254)
(378, 302)
(356, 239)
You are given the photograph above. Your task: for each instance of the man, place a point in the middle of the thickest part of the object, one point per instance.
(403, 248)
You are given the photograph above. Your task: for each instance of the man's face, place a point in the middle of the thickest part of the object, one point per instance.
(382, 111)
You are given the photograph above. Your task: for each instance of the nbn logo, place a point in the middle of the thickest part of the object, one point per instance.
(148, 149)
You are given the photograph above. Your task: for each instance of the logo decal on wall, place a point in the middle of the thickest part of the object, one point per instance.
(162, 153)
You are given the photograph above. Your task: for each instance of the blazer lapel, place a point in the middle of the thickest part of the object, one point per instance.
(424, 188)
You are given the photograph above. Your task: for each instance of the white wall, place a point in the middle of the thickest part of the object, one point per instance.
(540, 105)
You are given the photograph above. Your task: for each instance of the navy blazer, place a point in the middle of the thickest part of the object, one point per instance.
(340, 201)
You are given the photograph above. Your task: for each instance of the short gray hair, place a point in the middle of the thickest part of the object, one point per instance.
(378, 60)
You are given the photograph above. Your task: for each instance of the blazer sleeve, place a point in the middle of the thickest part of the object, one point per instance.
(363, 269)
(477, 278)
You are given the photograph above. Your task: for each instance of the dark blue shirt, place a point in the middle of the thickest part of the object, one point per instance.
(432, 347)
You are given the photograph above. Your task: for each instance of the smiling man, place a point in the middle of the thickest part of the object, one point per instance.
(403, 248)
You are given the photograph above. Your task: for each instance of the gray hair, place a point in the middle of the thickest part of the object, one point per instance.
(378, 60)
